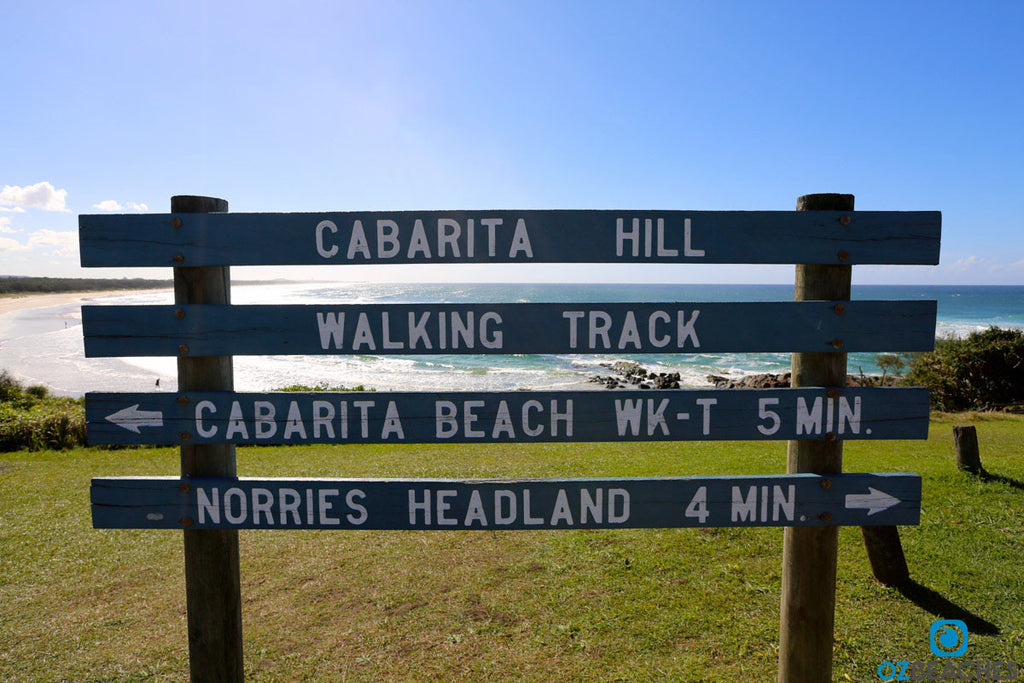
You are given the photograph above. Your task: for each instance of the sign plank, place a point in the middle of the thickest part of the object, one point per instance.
(511, 236)
(552, 328)
(773, 500)
(509, 417)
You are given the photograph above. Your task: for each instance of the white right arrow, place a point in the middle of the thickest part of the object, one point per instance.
(874, 501)
(131, 418)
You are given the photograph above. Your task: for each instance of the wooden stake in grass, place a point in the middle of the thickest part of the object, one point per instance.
(212, 585)
(968, 456)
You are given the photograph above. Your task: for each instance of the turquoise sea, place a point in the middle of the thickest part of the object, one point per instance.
(45, 345)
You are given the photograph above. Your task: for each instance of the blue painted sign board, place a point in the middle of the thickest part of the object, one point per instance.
(509, 236)
(774, 500)
(519, 416)
(551, 328)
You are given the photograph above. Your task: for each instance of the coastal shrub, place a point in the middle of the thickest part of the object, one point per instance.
(982, 371)
(10, 388)
(31, 418)
(322, 386)
(52, 424)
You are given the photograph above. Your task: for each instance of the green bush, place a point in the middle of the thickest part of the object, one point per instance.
(30, 418)
(982, 371)
(53, 424)
(321, 386)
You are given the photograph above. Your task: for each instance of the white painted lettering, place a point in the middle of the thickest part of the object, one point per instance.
(688, 249)
(208, 506)
(294, 424)
(201, 429)
(387, 239)
(325, 507)
(520, 241)
(422, 506)
(357, 243)
(359, 513)
(443, 506)
(321, 248)
(331, 326)
(265, 426)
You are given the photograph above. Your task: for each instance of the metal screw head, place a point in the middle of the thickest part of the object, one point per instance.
(831, 436)
(844, 255)
(183, 349)
(183, 400)
(180, 314)
(175, 222)
(185, 522)
(184, 488)
(826, 483)
(179, 259)
(844, 220)
(836, 343)
(825, 517)
(839, 309)
(184, 436)
(832, 393)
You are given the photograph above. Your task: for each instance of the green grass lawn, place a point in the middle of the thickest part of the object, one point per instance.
(602, 605)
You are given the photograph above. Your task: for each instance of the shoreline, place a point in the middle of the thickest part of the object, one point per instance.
(24, 302)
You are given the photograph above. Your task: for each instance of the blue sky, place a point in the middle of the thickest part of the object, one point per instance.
(315, 106)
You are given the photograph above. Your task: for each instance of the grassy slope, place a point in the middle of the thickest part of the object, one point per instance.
(639, 605)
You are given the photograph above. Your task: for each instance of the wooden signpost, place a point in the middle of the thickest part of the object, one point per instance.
(417, 329)
(402, 237)
(506, 417)
(779, 500)
(208, 419)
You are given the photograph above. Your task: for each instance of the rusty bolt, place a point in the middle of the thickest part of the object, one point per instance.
(825, 517)
(183, 349)
(836, 343)
(831, 436)
(839, 309)
(844, 221)
(184, 488)
(826, 484)
(832, 393)
(183, 400)
(185, 522)
(180, 314)
(844, 255)
(184, 436)
(175, 222)
(179, 259)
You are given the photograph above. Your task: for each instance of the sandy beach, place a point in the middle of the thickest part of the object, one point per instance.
(21, 302)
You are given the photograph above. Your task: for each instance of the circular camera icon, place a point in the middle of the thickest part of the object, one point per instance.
(948, 638)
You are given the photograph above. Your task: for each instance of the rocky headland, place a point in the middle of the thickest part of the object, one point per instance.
(631, 375)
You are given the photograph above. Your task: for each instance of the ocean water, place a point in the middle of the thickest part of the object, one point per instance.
(44, 346)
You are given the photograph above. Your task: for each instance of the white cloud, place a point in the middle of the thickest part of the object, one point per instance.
(63, 243)
(42, 195)
(114, 205)
(9, 245)
(16, 209)
(5, 225)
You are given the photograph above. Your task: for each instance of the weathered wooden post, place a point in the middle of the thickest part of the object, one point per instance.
(213, 592)
(809, 554)
(968, 456)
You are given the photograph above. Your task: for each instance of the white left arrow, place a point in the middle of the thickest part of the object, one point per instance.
(873, 501)
(131, 418)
